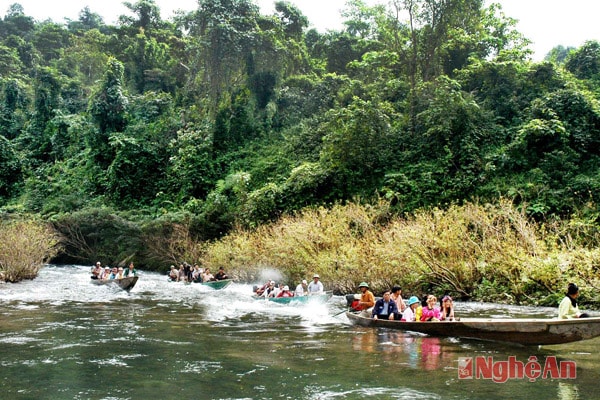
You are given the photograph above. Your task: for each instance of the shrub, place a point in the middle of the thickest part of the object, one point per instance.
(24, 248)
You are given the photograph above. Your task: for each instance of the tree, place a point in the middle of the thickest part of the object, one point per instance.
(584, 62)
(107, 106)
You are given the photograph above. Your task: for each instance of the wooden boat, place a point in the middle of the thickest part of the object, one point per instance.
(318, 298)
(126, 283)
(532, 331)
(217, 285)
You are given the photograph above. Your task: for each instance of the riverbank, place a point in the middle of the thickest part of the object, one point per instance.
(479, 252)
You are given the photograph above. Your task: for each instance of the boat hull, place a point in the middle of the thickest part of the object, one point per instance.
(217, 285)
(124, 283)
(515, 330)
(320, 298)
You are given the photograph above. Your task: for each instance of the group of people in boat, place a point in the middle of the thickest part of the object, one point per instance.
(106, 273)
(391, 306)
(274, 289)
(188, 273)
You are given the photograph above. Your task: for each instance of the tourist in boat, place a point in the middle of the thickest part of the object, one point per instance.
(270, 290)
(119, 273)
(221, 275)
(447, 311)
(113, 273)
(181, 274)
(173, 273)
(396, 295)
(285, 292)
(130, 271)
(105, 273)
(385, 308)
(97, 270)
(409, 313)
(431, 312)
(367, 299)
(316, 286)
(207, 276)
(568, 308)
(302, 288)
(261, 290)
(196, 274)
(419, 309)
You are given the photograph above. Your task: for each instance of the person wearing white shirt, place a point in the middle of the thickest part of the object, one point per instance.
(302, 288)
(315, 287)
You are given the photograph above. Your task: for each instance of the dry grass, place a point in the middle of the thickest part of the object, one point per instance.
(24, 248)
(484, 252)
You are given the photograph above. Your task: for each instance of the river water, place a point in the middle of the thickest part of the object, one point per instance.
(63, 338)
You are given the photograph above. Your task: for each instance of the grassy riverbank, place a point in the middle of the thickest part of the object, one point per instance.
(474, 251)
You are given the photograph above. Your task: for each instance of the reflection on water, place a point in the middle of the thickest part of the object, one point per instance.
(63, 338)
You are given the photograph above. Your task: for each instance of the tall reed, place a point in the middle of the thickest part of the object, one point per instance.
(24, 248)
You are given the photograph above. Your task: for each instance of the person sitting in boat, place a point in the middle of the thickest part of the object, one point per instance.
(419, 309)
(207, 276)
(261, 290)
(396, 295)
(302, 288)
(197, 274)
(270, 290)
(130, 271)
(173, 273)
(316, 286)
(120, 274)
(285, 292)
(447, 309)
(221, 275)
(385, 308)
(113, 273)
(97, 270)
(568, 309)
(105, 274)
(181, 274)
(367, 299)
(431, 312)
(409, 313)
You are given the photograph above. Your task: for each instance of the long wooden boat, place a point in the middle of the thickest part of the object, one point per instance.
(126, 283)
(317, 298)
(217, 285)
(532, 331)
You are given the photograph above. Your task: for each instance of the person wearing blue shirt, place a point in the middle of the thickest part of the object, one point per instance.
(385, 308)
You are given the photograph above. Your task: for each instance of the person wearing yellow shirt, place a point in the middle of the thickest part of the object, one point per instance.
(568, 309)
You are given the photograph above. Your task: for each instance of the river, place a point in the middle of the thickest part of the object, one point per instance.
(64, 338)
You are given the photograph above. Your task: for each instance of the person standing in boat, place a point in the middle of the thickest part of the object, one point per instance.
(130, 271)
(385, 308)
(316, 286)
(302, 288)
(568, 309)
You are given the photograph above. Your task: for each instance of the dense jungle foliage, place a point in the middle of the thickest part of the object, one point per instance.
(149, 137)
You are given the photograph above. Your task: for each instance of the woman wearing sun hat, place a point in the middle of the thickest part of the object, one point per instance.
(409, 313)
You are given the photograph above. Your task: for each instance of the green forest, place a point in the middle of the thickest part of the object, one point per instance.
(145, 139)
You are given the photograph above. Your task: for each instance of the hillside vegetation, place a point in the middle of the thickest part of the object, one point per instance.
(154, 139)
